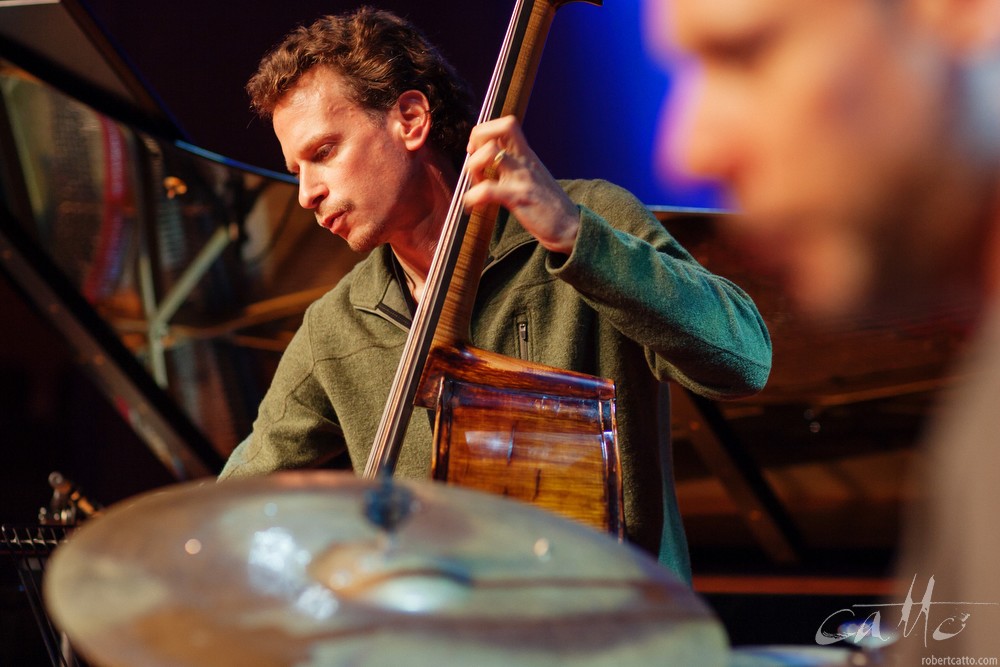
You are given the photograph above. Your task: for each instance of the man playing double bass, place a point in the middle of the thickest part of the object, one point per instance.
(376, 124)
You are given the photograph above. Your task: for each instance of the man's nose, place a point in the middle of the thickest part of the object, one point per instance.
(311, 189)
(707, 136)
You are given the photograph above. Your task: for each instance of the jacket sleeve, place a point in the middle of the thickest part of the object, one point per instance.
(697, 328)
(295, 426)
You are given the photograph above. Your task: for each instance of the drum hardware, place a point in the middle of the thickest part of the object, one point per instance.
(29, 548)
(68, 505)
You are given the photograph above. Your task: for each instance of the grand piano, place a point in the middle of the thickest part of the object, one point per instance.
(149, 287)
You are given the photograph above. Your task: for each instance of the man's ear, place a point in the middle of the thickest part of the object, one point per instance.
(413, 113)
(966, 26)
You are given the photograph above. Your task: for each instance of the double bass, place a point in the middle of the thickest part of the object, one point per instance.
(528, 431)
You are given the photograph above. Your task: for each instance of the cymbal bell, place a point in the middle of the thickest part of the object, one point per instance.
(286, 570)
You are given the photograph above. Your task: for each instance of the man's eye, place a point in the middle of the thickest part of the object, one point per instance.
(745, 51)
(323, 152)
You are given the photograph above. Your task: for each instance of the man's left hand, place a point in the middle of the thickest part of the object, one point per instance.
(505, 171)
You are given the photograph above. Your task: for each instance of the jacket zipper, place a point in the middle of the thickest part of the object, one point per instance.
(522, 340)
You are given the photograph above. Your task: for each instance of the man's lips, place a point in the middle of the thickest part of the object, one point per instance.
(329, 222)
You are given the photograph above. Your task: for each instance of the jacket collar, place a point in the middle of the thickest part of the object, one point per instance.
(375, 289)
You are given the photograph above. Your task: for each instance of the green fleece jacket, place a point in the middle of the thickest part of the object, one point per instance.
(629, 303)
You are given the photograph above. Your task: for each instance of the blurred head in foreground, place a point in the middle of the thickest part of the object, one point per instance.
(858, 138)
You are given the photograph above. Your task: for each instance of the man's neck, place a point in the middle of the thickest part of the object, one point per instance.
(414, 249)
(415, 277)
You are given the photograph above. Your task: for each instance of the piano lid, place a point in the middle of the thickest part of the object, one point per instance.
(60, 42)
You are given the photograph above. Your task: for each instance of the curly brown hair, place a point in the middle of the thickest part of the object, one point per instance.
(380, 56)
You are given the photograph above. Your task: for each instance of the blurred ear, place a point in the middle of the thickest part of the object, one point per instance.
(413, 114)
(966, 26)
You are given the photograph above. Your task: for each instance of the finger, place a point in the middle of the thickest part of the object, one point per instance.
(497, 130)
(492, 170)
(483, 159)
(503, 133)
(482, 194)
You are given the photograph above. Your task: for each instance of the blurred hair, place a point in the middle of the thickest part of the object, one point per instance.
(380, 56)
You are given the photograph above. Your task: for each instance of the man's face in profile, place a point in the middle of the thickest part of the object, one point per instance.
(826, 122)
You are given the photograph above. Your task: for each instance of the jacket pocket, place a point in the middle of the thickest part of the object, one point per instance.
(522, 337)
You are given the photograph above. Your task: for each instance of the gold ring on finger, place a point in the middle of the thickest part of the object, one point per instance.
(493, 169)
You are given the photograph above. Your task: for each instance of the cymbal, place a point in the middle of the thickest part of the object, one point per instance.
(286, 570)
